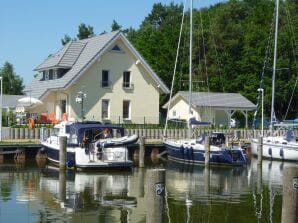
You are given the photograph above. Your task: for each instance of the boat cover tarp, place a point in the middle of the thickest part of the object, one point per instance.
(79, 128)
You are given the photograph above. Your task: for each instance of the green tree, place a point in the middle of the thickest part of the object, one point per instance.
(85, 31)
(115, 26)
(12, 83)
(66, 39)
(229, 44)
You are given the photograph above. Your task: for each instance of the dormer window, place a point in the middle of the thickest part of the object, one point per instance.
(51, 74)
(46, 74)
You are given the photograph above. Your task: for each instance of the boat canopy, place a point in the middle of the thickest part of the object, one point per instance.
(80, 129)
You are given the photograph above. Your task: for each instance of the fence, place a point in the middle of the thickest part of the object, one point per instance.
(25, 133)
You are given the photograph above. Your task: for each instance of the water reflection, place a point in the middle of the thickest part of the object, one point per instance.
(219, 194)
(33, 192)
(85, 193)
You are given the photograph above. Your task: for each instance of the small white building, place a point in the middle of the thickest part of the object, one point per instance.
(216, 108)
(102, 78)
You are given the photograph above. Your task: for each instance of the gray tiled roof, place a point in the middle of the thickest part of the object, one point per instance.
(77, 56)
(215, 99)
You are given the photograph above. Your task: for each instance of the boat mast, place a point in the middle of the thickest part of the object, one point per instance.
(274, 64)
(190, 69)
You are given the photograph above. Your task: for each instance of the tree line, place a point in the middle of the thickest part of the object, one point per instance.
(232, 48)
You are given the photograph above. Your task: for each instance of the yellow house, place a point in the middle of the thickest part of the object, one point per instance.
(102, 78)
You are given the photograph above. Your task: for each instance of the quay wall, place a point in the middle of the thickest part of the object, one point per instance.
(157, 134)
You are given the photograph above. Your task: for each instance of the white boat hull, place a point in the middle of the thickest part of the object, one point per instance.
(276, 149)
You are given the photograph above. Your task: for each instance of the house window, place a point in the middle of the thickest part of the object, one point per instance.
(51, 74)
(126, 80)
(105, 78)
(126, 109)
(174, 113)
(105, 104)
(46, 75)
(116, 48)
(55, 74)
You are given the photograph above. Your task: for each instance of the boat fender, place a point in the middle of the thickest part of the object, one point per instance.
(270, 151)
(185, 153)
(281, 152)
(69, 164)
(181, 149)
(191, 153)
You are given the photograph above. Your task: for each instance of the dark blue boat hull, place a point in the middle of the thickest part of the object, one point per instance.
(233, 157)
(53, 156)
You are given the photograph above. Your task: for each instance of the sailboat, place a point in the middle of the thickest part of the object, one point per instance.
(277, 147)
(193, 150)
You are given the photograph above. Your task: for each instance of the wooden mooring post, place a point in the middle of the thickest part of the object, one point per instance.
(62, 185)
(62, 152)
(207, 151)
(260, 150)
(142, 152)
(290, 195)
(156, 195)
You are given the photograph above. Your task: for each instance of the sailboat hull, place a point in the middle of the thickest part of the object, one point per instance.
(195, 154)
(276, 148)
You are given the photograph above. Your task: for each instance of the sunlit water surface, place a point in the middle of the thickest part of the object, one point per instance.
(32, 191)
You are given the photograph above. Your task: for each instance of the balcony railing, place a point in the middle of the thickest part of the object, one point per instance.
(106, 84)
(127, 85)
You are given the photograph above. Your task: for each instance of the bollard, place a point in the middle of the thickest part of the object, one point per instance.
(142, 152)
(259, 179)
(260, 150)
(155, 195)
(62, 186)
(290, 195)
(207, 151)
(62, 152)
(141, 180)
(207, 180)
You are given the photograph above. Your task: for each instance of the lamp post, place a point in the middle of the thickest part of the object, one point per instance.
(80, 100)
(1, 103)
(262, 110)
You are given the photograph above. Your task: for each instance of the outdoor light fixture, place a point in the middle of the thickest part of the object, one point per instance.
(80, 100)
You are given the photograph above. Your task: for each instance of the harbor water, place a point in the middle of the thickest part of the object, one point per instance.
(32, 191)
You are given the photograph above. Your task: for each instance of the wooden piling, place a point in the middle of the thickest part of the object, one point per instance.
(62, 186)
(260, 150)
(207, 151)
(290, 195)
(259, 179)
(142, 152)
(141, 180)
(207, 179)
(155, 195)
(62, 152)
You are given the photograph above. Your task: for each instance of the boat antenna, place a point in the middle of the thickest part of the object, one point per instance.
(190, 68)
(274, 65)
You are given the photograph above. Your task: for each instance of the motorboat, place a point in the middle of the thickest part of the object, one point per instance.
(90, 145)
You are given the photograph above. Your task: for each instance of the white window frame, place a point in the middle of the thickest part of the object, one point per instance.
(47, 75)
(108, 111)
(129, 110)
(127, 84)
(108, 84)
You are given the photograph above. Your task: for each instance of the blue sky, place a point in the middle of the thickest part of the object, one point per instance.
(33, 29)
